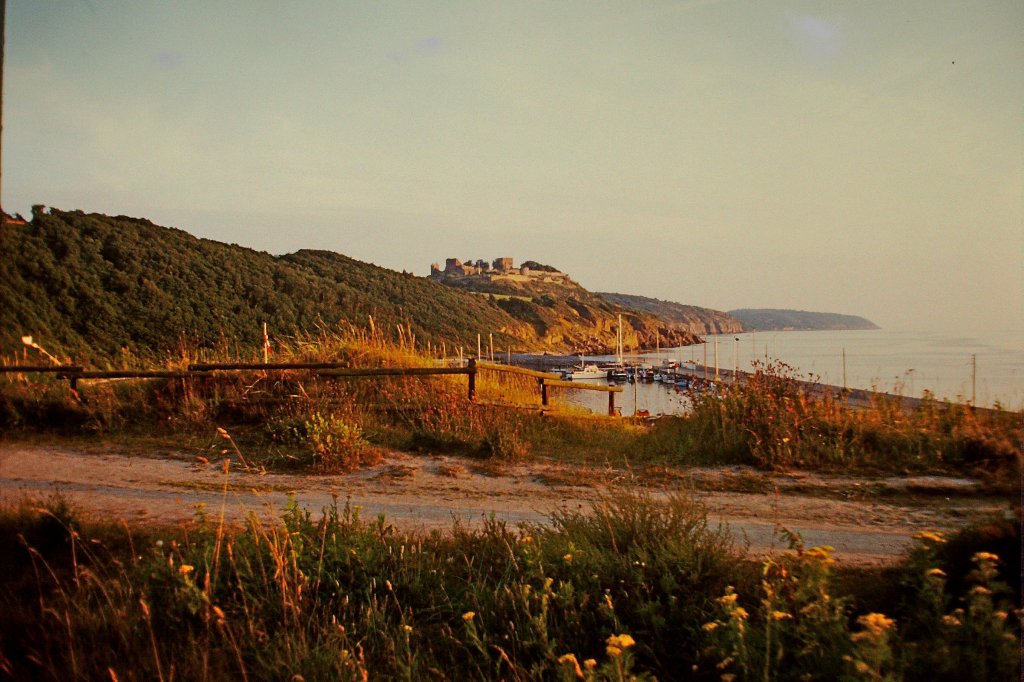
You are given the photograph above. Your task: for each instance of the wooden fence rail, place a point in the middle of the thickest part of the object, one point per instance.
(338, 370)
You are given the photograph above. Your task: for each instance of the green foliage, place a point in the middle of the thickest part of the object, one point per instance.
(88, 285)
(774, 420)
(633, 589)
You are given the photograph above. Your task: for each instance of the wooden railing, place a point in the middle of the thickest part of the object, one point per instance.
(74, 374)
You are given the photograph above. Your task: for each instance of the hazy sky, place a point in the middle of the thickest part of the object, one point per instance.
(857, 157)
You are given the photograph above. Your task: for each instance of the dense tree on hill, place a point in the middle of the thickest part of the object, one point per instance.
(90, 285)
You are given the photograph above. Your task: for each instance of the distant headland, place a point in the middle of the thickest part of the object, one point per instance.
(772, 319)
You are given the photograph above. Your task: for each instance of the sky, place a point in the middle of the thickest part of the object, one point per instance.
(856, 157)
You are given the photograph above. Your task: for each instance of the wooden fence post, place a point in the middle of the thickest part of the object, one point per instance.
(543, 393)
(472, 379)
(611, 403)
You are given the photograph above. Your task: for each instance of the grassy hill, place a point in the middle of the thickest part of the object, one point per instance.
(88, 285)
(687, 317)
(770, 319)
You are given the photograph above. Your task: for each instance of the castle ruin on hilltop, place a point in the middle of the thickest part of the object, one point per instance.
(498, 268)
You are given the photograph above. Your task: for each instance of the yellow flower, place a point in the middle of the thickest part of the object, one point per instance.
(617, 643)
(567, 558)
(727, 599)
(985, 556)
(590, 664)
(929, 536)
(624, 641)
(779, 615)
(936, 573)
(708, 627)
(407, 628)
(571, 659)
(741, 612)
(185, 569)
(468, 616)
(876, 623)
(980, 591)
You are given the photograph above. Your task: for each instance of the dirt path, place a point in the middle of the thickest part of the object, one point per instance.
(866, 521)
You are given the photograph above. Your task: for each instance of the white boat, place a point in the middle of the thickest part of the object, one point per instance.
(588, 372)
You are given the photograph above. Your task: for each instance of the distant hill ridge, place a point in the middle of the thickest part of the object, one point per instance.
(771, 319)
(689, 317)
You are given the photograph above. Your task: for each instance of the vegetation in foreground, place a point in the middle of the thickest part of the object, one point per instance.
(301, 420)
(630, 590)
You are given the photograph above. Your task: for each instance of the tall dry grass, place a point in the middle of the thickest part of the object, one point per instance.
(629, 590)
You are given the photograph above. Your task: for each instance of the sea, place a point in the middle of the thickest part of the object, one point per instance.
(986, 369)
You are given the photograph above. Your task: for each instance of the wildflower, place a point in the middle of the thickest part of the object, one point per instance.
(876, 622)
(185, 569)
(980, 591)
(468, 616)
(617, 643)
(407, 628)
(708, 627)
(728, 599)
(951, 621)
(526, 539)
(1000, 615)
(741, 613)
(929, 536)
(567, 558)
(780, 615)
(936, 573)
(984, 556)
(590, 664)
(571, 659)
(876, 627)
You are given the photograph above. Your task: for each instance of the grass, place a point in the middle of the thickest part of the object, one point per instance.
(298, 420)
(632, 589)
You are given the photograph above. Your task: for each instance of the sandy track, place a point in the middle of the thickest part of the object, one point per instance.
(428, 492)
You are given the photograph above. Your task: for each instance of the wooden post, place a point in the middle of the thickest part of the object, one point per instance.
(543, 392)
(611, 403)
(472, 379)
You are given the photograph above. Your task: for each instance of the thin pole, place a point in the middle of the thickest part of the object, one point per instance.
(478, 353)
(844, 368)
(735, 358)
(974, 380)
(3, 33)
(490, 344)
(716, 357)
(705, 344)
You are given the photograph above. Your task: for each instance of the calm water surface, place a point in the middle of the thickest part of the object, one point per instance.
(903, 362)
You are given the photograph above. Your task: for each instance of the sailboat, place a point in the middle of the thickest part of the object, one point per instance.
(585, 371)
